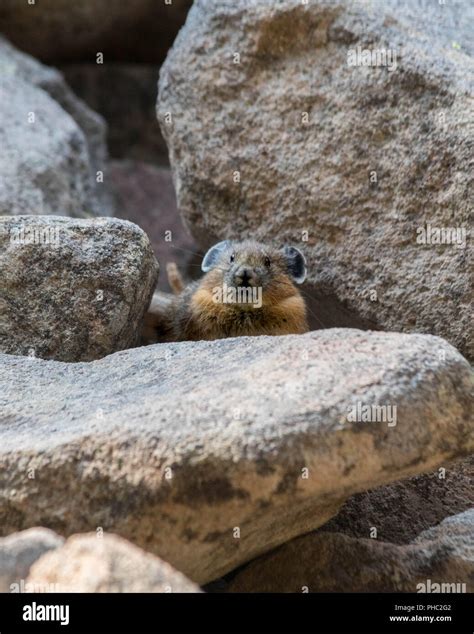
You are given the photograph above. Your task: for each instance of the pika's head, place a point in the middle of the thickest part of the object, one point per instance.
(252, 264)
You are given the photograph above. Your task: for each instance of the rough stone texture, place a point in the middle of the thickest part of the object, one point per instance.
(60, 30)
(411, 126)
(47, 166)
(456, 533)
(78, 295)
(401, 510)
(145, 195)
(20, 550)
(87, 563)
(330, 562)
(125, 95)
(174, 446)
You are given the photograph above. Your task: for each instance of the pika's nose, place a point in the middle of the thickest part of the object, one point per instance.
(243, 276)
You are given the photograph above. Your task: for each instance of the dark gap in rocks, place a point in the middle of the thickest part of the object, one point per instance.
(434, 499)
(325, 310)
(57, 31)
(145, 195)
(125, 95)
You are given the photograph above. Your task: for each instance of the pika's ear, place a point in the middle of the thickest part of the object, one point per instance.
(213, 255)
(296, 264)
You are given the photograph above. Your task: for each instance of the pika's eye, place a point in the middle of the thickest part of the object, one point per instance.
(267, 261)
(232, 257)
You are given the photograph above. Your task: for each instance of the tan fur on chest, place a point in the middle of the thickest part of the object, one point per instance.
(213, 320)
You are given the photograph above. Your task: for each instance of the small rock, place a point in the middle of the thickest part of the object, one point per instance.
(72, 289)
(87, 563)
(19, 551)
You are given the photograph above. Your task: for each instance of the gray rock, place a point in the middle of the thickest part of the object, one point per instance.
(89, 563)
(49, 165)
(211, 453)
(19, 551)
(439, 560)
(456, 533)
(361, 164)
(72, 289)
(448, 24)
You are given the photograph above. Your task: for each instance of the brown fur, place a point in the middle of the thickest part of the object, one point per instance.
(193, 314)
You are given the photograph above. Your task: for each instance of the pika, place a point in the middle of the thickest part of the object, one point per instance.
(248, 289)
